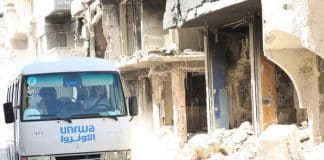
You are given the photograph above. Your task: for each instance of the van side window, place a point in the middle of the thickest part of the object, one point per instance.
(8, 94)
(15, 97)
(11, 94)
(18, 89)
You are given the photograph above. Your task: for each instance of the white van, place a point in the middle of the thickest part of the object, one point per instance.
(69, 108)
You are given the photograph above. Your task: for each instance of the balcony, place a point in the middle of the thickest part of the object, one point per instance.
(198, 13)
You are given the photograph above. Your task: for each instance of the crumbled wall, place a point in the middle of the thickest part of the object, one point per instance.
(238, 79)
(152, 33)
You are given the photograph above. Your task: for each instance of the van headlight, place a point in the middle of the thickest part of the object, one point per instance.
(117, 155)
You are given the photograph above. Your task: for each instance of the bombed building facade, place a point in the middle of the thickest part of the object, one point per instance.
(243, 58)
(276, 76)
(204, 65)
(196, 65)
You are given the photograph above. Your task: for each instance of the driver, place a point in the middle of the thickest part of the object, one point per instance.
(98, 97)
(48, 104)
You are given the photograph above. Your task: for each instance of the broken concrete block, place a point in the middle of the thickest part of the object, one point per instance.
(217, 156)
(204, 153)
(204, 146)
(239, 136)
(304, 135)
(188, 153)
(227, 148)
(218, 133)
(247, 127)
(280, 142)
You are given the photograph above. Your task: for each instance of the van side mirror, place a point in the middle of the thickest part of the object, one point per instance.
(8, 113)
(132, 104)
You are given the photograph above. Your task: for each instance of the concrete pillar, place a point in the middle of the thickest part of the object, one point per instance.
(123, 28)
(111, 29)
(157, 86)
(179, 103)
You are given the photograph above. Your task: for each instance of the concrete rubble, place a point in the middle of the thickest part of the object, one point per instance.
(280, 142)
(222, 144)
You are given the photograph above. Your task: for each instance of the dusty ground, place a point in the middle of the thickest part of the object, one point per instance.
(233, 144)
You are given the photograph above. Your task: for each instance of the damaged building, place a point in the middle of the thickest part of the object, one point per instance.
(202, 65)
(263, 60)
(160, 67)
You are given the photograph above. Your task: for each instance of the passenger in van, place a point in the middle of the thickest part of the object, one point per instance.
(98, 98)
(49, 104)
(31, 112)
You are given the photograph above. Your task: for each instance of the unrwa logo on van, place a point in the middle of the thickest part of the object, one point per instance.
(77, 134)
(77, 129)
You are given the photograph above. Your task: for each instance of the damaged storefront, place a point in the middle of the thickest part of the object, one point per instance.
(242, 84)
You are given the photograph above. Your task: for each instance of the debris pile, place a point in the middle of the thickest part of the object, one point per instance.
(283, 140)
(222, 144)
(136, 57)
(153, 55)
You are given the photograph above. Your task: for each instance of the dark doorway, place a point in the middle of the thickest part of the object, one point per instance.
(286, 107)
(196, 102)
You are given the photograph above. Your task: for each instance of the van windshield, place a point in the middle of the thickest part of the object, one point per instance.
(72, 95)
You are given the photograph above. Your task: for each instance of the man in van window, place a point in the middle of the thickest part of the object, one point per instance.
(98, 98)
(31, 111)
(49, 103)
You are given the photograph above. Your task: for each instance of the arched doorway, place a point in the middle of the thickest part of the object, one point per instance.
(288, 110)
